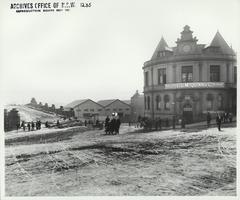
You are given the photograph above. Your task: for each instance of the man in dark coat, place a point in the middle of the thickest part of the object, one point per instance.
(230, 117)
(46, 124)
(29, 126)
(173, 122)
(183, 122)
(33, 125)
(37, 125)
(112, 125)
(219, 121)
(107, 125)
(208, 119)
(18, 126)
(40, 123)
(160, 124)
(23, 125)
(118, 123)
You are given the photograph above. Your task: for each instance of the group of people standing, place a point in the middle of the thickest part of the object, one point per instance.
(223, 118)
(30, 126)
(112, 124)
(157, 123)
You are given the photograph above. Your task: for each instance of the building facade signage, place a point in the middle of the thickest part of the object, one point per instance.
(187, 109)
(194, 85)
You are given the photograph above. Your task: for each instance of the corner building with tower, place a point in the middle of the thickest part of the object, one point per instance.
(190, 79)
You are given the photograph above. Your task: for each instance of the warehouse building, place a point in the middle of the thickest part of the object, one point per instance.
(85, 109)
(123, 108)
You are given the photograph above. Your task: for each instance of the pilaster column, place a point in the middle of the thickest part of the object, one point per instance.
(200, 71)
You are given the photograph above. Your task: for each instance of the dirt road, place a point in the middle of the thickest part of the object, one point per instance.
(155, 163)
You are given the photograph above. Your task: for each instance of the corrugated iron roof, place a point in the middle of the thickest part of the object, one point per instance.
(106, 102)
(127, 101)
(75, 103)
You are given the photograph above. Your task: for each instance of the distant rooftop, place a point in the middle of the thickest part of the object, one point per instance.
(75, 103)
(106, 102)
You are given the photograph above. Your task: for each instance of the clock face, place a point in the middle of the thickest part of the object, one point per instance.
(186, 48)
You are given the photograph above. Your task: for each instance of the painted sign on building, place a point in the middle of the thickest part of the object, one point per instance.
(194, 85)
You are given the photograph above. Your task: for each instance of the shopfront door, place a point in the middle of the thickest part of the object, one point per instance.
(188, 113)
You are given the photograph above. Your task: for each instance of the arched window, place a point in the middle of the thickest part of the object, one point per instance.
(166, 102)
(210, 102)
(220, 101)
(158, 102)
(148, 102)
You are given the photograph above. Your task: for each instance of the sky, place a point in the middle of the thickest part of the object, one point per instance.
(99, 52)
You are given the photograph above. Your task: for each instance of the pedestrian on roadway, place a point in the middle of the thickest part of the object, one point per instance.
(113, 125)
(218, 121)
(118, 123)
(46, 124)
(173, 122)
(58, 124)
(37, 125)
(230, 117)
(208, 119)
(23, 125)
(33, 125)
(29, 126)
(160, 123)
(107, 120)
(183, 122)
(18, 126)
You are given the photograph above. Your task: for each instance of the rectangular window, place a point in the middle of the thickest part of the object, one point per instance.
(187, 74)
(148, 102)
(85, 109)
(161, 54)
(214, 73)
(99, 109)
(235, 74)
(92, 110)
(161, 76)
(146, 78)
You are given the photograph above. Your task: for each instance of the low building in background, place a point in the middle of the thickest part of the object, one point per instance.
(123, 108)
(86, 109)
(137, 105)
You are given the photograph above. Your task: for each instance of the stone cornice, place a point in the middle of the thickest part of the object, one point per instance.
(192, 57)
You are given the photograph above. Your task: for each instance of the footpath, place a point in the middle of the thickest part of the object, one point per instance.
(197, 126)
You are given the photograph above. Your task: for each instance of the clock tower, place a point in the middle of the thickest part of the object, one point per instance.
(186, 44)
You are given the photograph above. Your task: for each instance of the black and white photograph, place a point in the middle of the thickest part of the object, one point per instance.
(119, 98)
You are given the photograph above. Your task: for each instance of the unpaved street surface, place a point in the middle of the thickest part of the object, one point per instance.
(87, 162)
